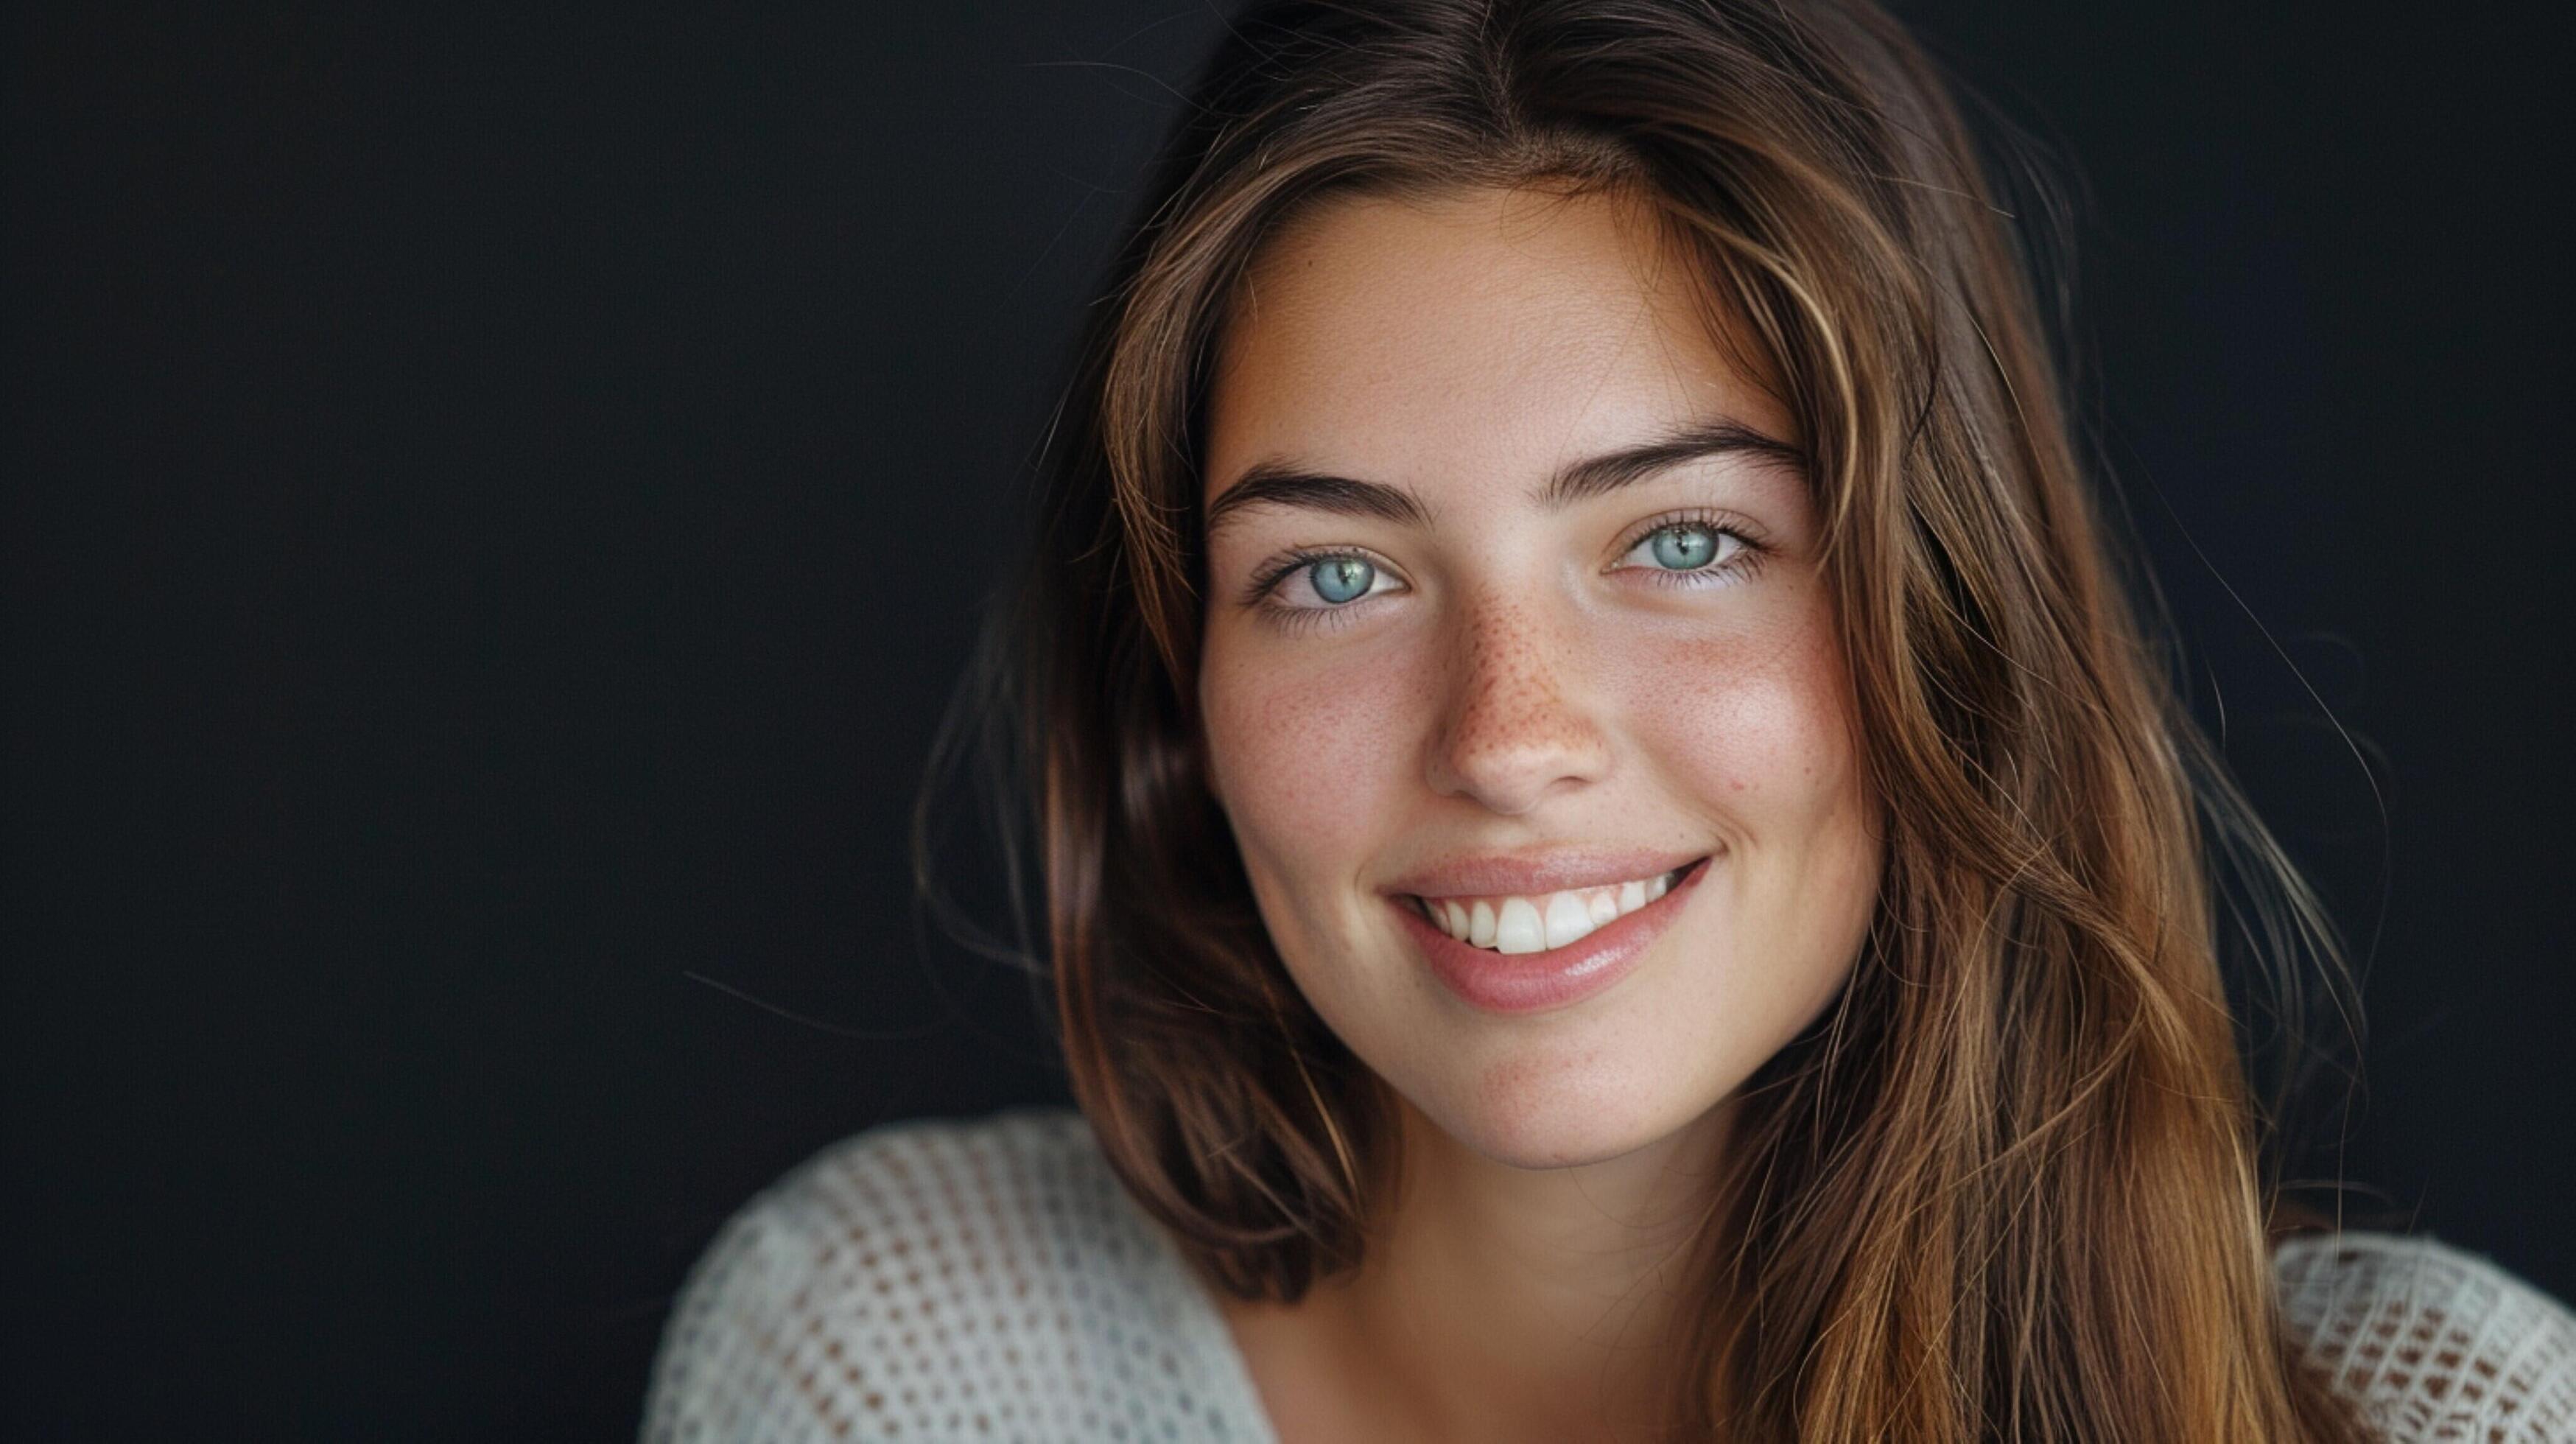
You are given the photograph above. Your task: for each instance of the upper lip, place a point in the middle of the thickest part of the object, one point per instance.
(1530, 873)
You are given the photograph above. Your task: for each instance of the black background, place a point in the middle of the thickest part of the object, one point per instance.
(495, 505)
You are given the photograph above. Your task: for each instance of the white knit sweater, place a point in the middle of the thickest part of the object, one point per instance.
(992, 1280)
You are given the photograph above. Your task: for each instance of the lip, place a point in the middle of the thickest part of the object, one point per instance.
(1519, 983)
(1560, 871)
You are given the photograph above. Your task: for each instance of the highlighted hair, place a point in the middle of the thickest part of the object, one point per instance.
(2018, 1183)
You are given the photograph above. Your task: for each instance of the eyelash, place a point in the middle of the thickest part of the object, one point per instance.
(1750, 555)
(1748, 559)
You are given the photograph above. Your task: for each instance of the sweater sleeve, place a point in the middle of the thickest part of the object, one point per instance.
(2434, 1342)
(733, 1363)
(938, 1279)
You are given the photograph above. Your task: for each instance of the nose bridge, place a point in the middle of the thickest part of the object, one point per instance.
(1515, 723)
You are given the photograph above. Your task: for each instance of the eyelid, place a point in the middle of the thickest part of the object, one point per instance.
(1260, 589)
(1741, 527)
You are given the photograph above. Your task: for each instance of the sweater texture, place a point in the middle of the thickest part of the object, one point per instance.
(990, 1279)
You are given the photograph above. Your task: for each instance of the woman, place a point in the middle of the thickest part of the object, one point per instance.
(1616, 863)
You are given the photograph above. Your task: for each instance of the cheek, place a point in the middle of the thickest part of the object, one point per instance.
(1752, 724)
(1752, 730)
(1308, 759)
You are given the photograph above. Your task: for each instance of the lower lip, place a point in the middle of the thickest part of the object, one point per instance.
(1557, 977)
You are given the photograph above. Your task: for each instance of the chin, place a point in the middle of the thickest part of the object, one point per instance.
(1548, 1113)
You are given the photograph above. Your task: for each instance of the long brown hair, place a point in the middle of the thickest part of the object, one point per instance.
(2017, 1183)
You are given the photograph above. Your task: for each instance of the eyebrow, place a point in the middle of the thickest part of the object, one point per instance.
(1278, 483)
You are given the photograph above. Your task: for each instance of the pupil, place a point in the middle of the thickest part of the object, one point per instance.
(1339, 579)
(1683, 548)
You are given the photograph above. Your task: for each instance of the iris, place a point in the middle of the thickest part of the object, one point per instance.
(1340, 579)
(1684, 548)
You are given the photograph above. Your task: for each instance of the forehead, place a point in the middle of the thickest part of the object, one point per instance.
(1478, 337)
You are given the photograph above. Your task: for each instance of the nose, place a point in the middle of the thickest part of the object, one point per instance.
(1514, 724)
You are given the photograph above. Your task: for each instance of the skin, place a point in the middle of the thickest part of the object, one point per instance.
(1521, 677)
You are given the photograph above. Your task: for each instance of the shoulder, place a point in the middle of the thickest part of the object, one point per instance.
(939, 1278)
(2435, 1342)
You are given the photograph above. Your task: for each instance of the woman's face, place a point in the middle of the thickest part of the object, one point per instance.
(1593, 716)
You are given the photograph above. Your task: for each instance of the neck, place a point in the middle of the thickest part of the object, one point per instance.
(1546, 1302)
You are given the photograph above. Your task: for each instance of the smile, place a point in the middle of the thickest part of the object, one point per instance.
(1536, 952)
(1536, 923)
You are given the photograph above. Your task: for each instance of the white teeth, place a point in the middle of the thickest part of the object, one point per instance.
(1567, 919)
(1516, 927)
(1550, 920)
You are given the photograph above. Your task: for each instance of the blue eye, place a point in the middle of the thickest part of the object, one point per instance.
(1691, 552)
(1684, 547)
(1341, 579)
(1306, 588)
